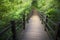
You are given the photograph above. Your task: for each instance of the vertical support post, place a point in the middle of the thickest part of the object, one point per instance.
(24, 20)
(28, 18)
(42, 19)
(13, 27)
(46, 22)
(46, 19)
(58, 32)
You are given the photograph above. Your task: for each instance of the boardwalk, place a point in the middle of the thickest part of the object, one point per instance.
(34, 29)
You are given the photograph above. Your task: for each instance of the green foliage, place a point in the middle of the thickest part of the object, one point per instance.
(50, 8)
(34, 3)
(12, 10)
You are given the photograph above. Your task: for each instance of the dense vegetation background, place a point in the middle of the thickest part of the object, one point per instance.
(14, 10)
(50, 8)
(11, 9)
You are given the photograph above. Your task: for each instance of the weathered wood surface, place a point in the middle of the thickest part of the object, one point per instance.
(34, 29)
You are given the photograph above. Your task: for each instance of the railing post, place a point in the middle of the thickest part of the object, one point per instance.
(46, 19)
(46, 22)
(13, 27)
(27, 18)
(58, 32)
(24, 20)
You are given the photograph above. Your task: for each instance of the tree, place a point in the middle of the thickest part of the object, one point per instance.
(34, 3)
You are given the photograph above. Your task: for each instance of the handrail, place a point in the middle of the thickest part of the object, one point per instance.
(8, 27)
(48, 19)
(50, 28)
(47, 26)
(5, 29)
(51, 21)
(12, 28)
(18, 27)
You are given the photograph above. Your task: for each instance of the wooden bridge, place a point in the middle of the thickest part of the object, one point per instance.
(34, 29)
(37, 28)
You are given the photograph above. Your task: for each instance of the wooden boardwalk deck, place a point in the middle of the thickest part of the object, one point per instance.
(34, 30)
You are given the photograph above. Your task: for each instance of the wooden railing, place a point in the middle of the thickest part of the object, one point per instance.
(51, 27)
(13, 27)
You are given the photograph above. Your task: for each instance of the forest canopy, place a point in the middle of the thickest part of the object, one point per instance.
(15, 9)
(12, 10)
(50, 8)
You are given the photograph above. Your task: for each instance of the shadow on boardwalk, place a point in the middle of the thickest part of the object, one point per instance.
(34, 29)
